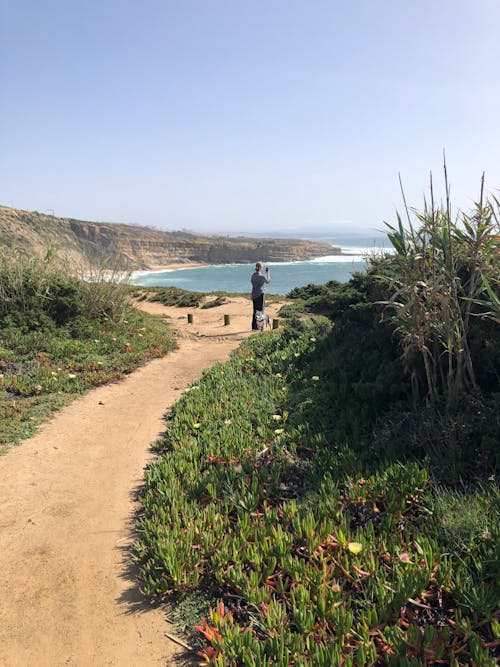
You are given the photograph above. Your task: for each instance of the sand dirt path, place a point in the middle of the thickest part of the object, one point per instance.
(68, 596)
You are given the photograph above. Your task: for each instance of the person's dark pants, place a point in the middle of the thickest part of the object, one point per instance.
(258, 304)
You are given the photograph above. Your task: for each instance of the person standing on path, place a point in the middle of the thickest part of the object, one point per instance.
(258, 281)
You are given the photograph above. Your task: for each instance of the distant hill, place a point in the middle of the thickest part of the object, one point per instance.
(101, 244)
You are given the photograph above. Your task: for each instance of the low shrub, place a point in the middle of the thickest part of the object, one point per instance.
(175, 296)
(36, 294)
(46, 294)
(214, 303)
(106, 293)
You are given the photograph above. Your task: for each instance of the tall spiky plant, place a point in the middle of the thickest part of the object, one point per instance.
(442, 270)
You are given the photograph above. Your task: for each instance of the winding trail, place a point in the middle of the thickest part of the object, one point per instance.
(68, 593)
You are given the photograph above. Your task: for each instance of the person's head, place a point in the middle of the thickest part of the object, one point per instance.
(258, 267)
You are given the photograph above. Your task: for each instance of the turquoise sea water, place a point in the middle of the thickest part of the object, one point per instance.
(284, 275)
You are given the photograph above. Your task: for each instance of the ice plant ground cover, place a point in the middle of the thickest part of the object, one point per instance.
(312, 547)
(42, 371)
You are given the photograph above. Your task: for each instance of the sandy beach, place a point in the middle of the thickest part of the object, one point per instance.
(173, 267)
(168, 267)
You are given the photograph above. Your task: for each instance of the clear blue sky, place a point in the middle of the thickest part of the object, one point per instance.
(245, 115)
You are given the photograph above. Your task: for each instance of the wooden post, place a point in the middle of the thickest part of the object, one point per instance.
(276, 323)
(227, 320)
(190, 318)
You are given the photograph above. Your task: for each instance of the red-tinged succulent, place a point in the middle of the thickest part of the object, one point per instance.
(210, 632)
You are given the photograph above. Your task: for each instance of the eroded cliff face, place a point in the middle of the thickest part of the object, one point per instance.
(106, 245)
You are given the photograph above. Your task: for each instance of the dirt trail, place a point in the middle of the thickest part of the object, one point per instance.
(66, 512)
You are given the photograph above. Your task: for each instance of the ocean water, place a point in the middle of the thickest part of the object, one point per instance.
(284, 275)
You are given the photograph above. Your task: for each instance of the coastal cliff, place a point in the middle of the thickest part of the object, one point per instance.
(135, 247)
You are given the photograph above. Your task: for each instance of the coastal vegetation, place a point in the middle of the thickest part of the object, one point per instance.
(61, 335)
(330, 496)
(175, 296)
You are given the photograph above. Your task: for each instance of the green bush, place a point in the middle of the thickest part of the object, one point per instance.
(214, 303)
(374, 395)
(359, 358)
(35, 294)
(174, 296)
(45, 294)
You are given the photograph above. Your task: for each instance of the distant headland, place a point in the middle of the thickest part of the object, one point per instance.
(135, 247)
